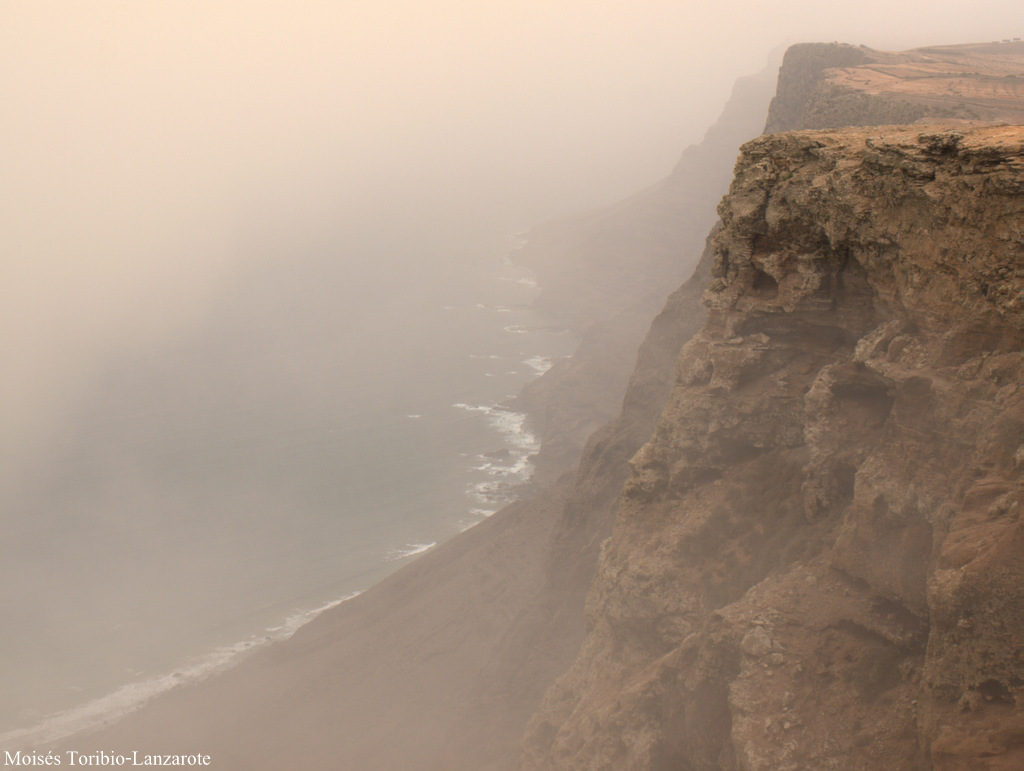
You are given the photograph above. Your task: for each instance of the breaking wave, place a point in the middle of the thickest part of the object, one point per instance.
(506, 469)
(130, 697)
(411, 550)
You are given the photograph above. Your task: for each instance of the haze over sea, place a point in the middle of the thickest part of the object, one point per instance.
(254, 316)
(333, 415)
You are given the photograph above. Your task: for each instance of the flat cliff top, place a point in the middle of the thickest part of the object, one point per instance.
(830, 85)
(994, 147)
(981, 82)
(1003, 139)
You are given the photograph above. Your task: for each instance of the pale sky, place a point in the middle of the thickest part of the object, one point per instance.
(140, 140)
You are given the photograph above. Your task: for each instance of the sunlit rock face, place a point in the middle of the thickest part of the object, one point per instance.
(818, 560)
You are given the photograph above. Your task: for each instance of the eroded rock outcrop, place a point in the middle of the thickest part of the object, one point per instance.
(818, 561)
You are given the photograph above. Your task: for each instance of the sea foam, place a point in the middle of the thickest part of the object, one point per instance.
(128, 698)
(505, 472)
(540, 364)
(410, 550)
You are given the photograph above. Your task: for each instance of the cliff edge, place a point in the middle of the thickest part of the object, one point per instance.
(818, 559)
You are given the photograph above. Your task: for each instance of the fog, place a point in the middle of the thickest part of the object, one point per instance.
(142, 145)
(154, 155)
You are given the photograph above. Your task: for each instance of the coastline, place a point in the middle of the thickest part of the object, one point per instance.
(108, 709)
(494, 479)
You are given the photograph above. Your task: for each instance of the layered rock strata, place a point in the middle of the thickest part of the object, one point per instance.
(818, 560)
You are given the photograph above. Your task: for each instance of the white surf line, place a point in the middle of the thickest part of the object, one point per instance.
(129, 698)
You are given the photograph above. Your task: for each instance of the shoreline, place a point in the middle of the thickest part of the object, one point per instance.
(508, 472)
(110, 708)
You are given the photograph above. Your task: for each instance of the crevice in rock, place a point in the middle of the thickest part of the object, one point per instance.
(763, 285)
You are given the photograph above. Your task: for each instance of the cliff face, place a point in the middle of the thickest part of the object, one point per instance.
(818, 559)
(805, 67)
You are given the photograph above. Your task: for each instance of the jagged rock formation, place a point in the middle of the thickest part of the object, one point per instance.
(818, 560)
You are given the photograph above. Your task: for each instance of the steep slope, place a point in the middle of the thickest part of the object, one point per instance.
(818, 558)
(442, 665)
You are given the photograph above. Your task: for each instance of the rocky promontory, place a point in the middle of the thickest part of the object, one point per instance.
(818, 558)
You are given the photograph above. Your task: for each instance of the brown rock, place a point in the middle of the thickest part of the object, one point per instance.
(826, 523)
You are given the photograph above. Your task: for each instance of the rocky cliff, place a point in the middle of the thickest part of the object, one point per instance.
(848, 397)
(607, 273)
(818, 558)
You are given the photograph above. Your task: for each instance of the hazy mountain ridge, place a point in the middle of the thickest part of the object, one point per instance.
(441, 665)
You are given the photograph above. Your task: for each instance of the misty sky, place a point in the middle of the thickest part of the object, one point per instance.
(144, 145)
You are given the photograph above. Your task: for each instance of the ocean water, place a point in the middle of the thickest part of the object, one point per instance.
(331, 418)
